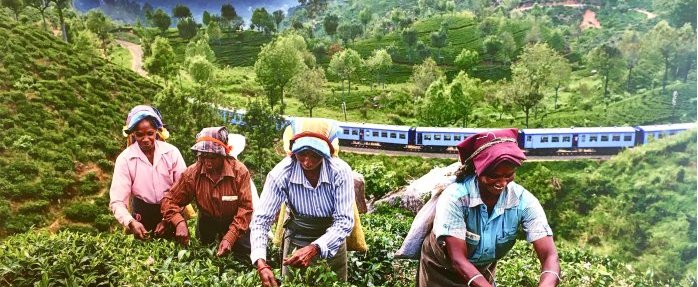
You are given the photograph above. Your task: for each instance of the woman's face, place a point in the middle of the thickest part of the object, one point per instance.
(212, 162)
(494, 181)
(145, 135)
(309, 160)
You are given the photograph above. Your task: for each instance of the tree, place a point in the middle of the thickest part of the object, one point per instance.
(187, 28)
(308, 86)
(60, 5)
(262, 135)
(200, 69)
(98, 24)
(200, 47)
(365, 16)
(560, 74)
(630, 46)
(313, 7)
(686, 50)
(378, 64)
(86, 42)
(16, 6)
(181, 11)
(423, 75)
(435, 109)
(161, 20)
(530, 75)
(409, 36)
(556, 41)
(345, 65)
(277, 63)
(677, 12)
(40, 5)
(465, 93)
(278, 17)
(206, 18)
(440, 38)
(214, 31)
(663, 39)
(161, 62)
(330, 24)
(228, 14)
(607, 60)
(467, 59)
(262, 20)
(397, 17)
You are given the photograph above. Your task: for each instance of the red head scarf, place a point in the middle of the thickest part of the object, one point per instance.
(487, 149)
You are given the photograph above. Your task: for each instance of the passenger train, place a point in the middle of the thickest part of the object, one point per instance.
(550, 141)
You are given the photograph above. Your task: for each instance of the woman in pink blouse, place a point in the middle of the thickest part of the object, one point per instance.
(143, 172)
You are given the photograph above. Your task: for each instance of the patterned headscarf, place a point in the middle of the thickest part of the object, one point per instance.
(487, 149)
(212, 140)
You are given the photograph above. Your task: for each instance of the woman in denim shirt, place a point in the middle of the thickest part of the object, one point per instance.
(477, 218)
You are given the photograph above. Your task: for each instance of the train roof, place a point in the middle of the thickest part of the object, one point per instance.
(451, 130)
(669, 127)
(583, 130)
(375, 126)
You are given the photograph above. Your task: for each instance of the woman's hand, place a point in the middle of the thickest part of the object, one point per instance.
(160, 228)
(224, 248)
(137, 229)
(302, 257)
(456, 249)
(547, 255)
(182, 233)
(265, 274)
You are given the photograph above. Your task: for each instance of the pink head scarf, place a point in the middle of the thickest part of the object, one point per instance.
(488, 149)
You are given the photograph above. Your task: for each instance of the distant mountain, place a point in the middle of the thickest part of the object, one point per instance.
(125, 10)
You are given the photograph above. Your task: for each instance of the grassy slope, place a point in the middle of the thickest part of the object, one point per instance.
(61, 112)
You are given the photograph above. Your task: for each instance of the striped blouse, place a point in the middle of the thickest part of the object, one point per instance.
(332, 197)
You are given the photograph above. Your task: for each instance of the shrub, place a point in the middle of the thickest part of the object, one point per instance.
(37, 206)
(22, 223)
(89, 184)
(82, 212)
(104, 221)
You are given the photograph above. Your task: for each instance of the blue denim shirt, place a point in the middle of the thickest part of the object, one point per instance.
(461, 213)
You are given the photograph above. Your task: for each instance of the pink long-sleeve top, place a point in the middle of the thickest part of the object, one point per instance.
(135, 176)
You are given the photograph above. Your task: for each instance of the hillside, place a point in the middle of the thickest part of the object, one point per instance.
(61, 112)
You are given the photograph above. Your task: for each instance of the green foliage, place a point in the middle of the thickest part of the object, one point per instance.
(278, 62)
(162, 59)
(180, 12)
(83, 211)
(262, 135)
(161, 20)
(307, 87)
(187, 28)
(89, 184)
(423, 75)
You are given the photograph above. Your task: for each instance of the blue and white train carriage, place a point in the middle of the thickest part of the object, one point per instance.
(375, 135)
(597, 139)
(441, 139)
(655, 132)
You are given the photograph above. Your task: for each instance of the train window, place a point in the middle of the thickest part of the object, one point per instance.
(375, 134)
(627, 138)
(437, 137)
(346, 131)
(355, 132)
(393, 135)
(384, 134)
(528, 138)
(427, 137)
(544, 139)
(615, 138)
(402, 136)
(593, 138)
(583, 138)
(555, 139)
(456, 138)
(604, 138)
(447, 137)
(566, 139)
(671, 133)
(660, 135)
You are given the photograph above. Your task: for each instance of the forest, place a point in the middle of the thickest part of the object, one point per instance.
(66, 84)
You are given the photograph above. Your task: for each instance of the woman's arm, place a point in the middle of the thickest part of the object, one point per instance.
(456, 249)
(547, 255)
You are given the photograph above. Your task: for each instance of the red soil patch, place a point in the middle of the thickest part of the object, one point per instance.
(589, 20)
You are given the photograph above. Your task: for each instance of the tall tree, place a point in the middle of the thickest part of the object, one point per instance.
(379, 63)
(663, 39)
(313, 7)
(560, 74)
(330, 24)
(206, 18)
(98, 24)
(677, 12)
(345, 65)
(262, 134)
(440, 39)
(409, 36)
(423, 75)
(180, 11)
(187, 28)
(308, 88)
(200, 70)
(434, 108)
(161, 61)
(467, 59)
(629, 46)
(262, 20)
(365, 16)
(16, 6)
(60, 6)
(532, 73)
(228, 14)
(214, 31)
(200, 47)
(464, 93)
(161, 20)
(278, 17)
(277, 63)
(86, 42)
(40, 5)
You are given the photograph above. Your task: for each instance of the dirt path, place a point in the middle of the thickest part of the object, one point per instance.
(136, 56)
(649, 14)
